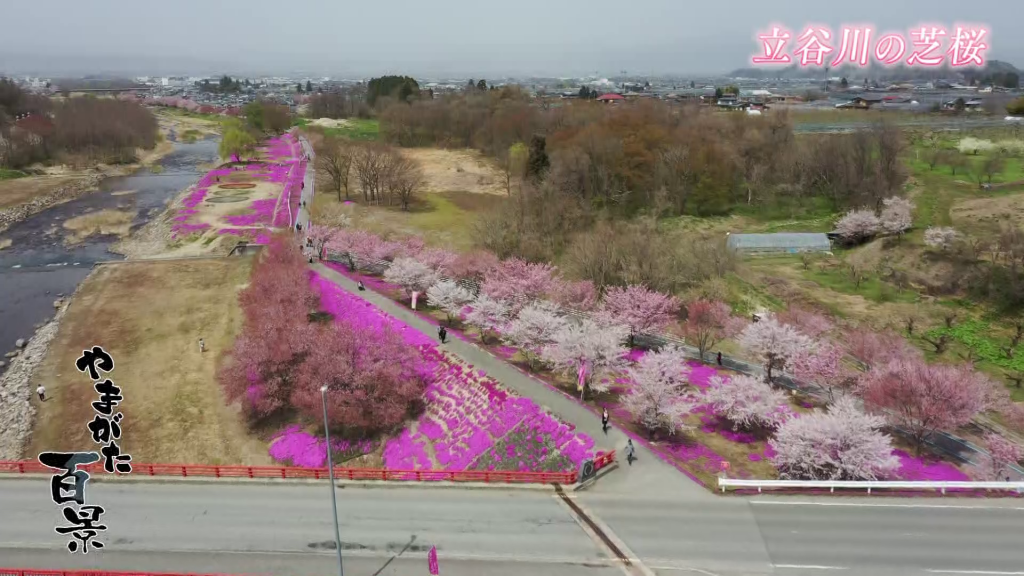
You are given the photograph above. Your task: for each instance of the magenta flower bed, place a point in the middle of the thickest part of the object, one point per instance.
(262, 213)
(294, 447)
(467, 412)
(917, 468)
(283, 153)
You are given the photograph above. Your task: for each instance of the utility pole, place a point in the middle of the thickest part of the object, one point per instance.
(330, 472)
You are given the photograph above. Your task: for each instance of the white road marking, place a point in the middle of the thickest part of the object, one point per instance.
(975, 572)
(878, 505)
(809, 567)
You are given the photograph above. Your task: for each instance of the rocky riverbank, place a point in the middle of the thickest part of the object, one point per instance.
(17, 407)
(10, 216)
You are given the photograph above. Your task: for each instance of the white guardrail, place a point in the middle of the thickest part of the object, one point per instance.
(868, 485)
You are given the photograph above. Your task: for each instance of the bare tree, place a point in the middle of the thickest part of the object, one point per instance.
(335, 157)
(405, 178)
(371, 164)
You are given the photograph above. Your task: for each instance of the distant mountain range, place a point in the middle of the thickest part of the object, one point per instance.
(877, 73)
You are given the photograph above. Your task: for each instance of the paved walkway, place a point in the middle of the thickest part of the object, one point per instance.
(309, 180)
(649, 475)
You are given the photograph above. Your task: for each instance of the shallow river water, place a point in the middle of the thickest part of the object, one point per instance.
(38, 265)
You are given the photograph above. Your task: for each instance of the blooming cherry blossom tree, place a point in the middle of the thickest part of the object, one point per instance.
(488, 314)
(473, 265)
(658, 399)
(842, 444)
(896, 217)
(639, 308)
(450, 297)
(410, 274)
(707, 323)
(923, 399)
(438, 259)
(586, 345)
(580, 295)
(747, 402)
(774, 344)
(940, 237)
(806, 322)
(518, 282)
(320, 235)
(533, 328)
(1002, 454)
(858, 225)
(824, 368)
(878, 348)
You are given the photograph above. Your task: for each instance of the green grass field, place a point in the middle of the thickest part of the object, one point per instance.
(364, 129)
(8, 174)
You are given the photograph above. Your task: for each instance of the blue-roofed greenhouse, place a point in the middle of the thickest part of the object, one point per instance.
(779, 243)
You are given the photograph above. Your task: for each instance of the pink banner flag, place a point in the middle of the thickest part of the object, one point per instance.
(582, 377)
(414, 296)
(432, 561)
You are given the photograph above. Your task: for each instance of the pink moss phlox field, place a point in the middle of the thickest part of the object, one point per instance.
(283, 167)
(295, 447)
(467, 412)
(916, 468)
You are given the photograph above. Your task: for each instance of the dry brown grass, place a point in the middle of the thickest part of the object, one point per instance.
(115, 222)
(457, 171)
(149, 317)
(988, 215)
(21, 190)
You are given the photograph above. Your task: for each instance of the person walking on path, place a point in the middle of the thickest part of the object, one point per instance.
(41, 390)
(360, 286)
(604, 421)
(202, 346)
(630, 452)
(442, 333)
(719, 358)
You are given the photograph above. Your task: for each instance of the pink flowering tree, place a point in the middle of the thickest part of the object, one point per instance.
(708, 323)
(858, 225)
(533, 328)
(587, 346)
(473, 265)
(878, 348)
(660, 397)
(412, 275)
(321, 235)
(774, 344)
(518, 282)
(488, 315)
(940, 237)
(747, 402)
(824, 368)
(1002, 455)
(896, 216)
(639, 308)
(579, 295)
(409, 247)
(806, 322)
(841, 444)
(450, 297)
(923, 399)
(438, 259)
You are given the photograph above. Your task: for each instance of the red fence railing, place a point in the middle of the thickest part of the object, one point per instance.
(290, 472)
(41, 572)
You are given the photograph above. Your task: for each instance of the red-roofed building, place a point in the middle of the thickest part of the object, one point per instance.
(609, 98)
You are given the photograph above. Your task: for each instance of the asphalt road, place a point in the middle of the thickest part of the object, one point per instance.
(275, 529)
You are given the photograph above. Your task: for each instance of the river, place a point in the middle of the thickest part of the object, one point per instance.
(39, 265)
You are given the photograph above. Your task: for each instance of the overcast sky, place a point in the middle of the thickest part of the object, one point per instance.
(480, 38)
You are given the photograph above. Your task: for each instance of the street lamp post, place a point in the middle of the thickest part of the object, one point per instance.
(330, 472)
